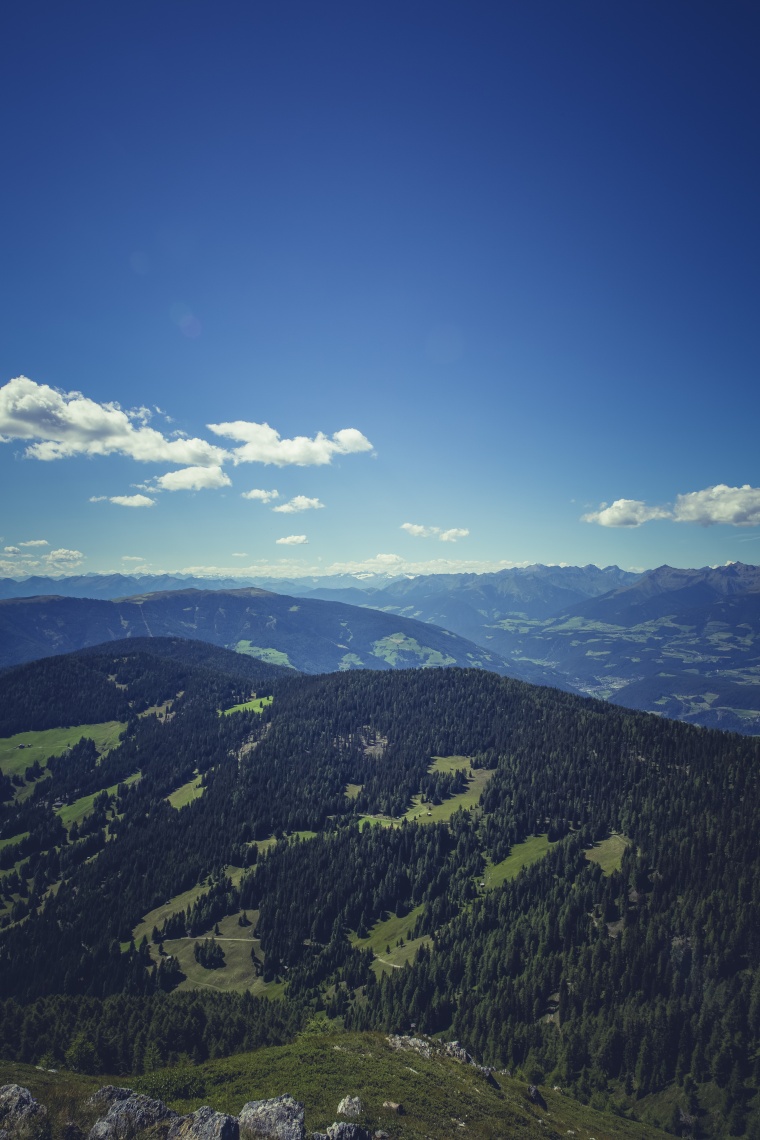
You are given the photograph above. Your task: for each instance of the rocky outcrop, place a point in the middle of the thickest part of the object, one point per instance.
(126, 1115)
(205, 1124)
(342, 1130)
(19, 1111)
(535, 1097)
(130, 1115)
(281, 1118)
(428, 1048)
(350, 1106)
(108, 1095)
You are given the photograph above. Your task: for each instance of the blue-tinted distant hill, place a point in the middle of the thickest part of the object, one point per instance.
(301, 633)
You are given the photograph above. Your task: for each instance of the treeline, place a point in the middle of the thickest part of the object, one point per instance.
(127, 1034)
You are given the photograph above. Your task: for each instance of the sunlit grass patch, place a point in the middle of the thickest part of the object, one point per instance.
(609, 852)
(185, 794)
(75, 812)
(522, 855)
(19, 751)
(256, 704)
(271, 656)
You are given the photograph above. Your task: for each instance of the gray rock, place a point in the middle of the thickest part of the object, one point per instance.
(131, 1115)
(108, 1095)
(281, 1118)
(350, 1106)
(19, 1110)
(342, 1130)
(534, 1095)
(205, 1124)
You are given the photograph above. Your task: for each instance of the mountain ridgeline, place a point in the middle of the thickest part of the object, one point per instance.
(354, 847)
(681, 643)
(310, 636)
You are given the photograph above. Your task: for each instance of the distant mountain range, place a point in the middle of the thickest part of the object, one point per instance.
(305, 634)
(681, 642)
(116, 585)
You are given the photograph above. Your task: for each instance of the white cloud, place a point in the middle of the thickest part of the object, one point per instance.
(261, 496)
(293, 540)
(239, 554)
(721, 504)
(128, 500)
(734, 506)
(260, 443)
(35, 542)
(625, 512)
(299, 503)
(64, 558)
(132, 558)
(11, 550)
(418, 531)
(193, 479)
(68, 423)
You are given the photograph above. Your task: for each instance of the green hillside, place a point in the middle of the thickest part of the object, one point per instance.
(438, 1097)
(566, 887)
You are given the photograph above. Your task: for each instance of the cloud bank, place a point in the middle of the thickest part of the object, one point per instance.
(718, 505)
(65, 424)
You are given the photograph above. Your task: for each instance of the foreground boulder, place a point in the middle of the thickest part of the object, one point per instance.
(108, 1095)
(350, 1106)
(128, 1116)
(204, 1124)
(281, 1118)
(19, 1109)
(342, 1130)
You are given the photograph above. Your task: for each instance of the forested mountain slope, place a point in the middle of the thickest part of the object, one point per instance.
(312, 636)
(622, 962)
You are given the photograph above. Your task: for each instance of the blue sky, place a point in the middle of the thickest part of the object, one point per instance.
(488, 272)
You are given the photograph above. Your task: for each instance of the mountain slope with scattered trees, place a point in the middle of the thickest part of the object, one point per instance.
(632, 983)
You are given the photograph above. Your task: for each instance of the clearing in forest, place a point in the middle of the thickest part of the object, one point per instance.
(159, 915)
(19, 751)
(256, 704)
(81, 808)
(609, 852)
(522, 855)
(427, 812)
(384, 938)
(186, 793)
(271, 656)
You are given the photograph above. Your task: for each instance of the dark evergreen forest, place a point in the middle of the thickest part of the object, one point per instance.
(646, 976)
